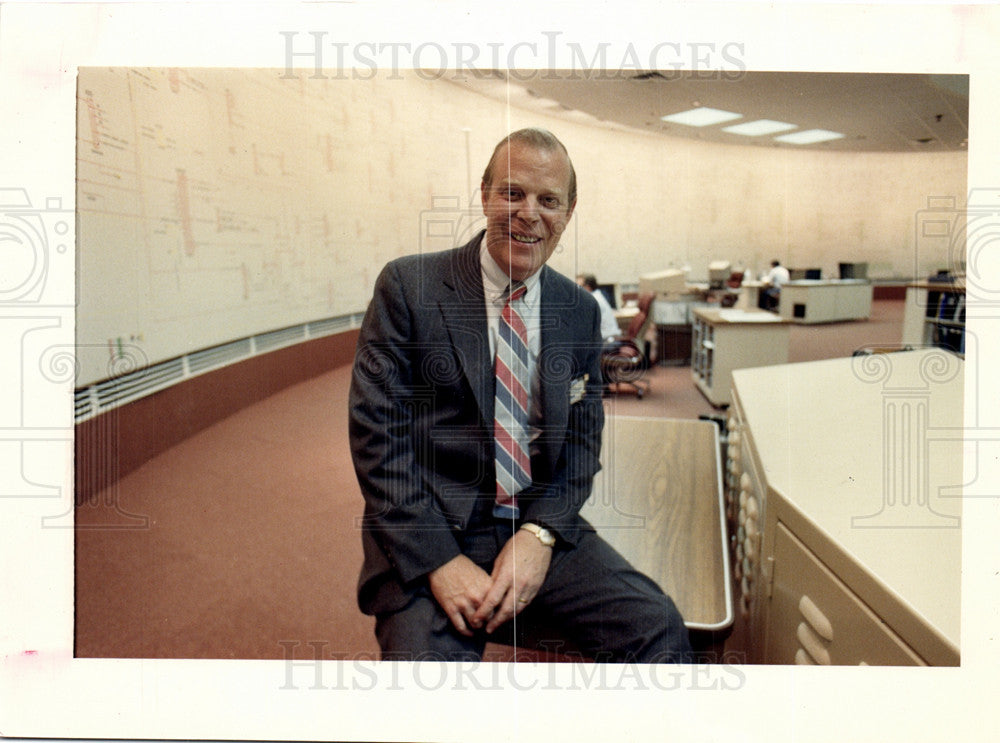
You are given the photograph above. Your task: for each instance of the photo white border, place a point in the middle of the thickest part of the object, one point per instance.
(44, 692)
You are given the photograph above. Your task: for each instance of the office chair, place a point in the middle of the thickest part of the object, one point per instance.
(733, 284)
(625, 362)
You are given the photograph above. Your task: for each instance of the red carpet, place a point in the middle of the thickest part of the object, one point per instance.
(250, 546)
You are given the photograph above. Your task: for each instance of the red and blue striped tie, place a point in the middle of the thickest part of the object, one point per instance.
(510, 425)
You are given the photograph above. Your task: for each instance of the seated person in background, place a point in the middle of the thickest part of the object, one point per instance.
(609, 323)
(777, 276)
(475, 427)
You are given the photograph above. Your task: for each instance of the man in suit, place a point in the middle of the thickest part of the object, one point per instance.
(450, 558)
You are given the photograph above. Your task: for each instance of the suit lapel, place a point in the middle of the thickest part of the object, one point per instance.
(463, 306)
(555, 359)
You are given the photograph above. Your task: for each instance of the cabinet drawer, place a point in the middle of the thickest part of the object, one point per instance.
(814, 618)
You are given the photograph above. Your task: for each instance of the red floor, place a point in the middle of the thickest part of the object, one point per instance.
(242, 541)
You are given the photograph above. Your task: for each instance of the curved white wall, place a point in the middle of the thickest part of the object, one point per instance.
(650, 202)
(218, 204)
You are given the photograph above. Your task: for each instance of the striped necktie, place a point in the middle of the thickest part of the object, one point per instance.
(510, 425)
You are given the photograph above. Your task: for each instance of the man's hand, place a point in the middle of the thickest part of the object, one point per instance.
(460, 586)
(518, 573)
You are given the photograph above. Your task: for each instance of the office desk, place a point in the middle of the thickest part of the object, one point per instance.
(815, 301)
(847, 478)
(749, 294)
(673, 316)
(658, 501)
(729, 339)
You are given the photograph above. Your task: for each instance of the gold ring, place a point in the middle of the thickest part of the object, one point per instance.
(522, 601)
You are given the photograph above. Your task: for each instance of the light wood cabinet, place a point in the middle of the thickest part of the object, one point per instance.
(815, 619)
(843, 491)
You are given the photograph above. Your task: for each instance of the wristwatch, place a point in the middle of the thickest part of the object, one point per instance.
(544, 535)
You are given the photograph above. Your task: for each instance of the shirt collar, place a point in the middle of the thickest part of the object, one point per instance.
(496, 282)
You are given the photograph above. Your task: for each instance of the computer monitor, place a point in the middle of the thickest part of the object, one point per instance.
(671, 281)
(718, 272)
(609, 294)
(798, 274)
(853, 270)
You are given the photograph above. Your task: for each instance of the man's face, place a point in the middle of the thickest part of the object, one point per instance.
(527, 207)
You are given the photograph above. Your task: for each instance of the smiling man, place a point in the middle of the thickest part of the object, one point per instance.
(528, 193)
(475, 424)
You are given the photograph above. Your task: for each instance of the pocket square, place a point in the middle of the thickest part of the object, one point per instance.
(577, 388)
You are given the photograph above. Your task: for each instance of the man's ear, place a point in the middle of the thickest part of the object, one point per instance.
(482, 194)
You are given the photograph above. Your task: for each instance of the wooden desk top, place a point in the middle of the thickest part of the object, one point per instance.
(658, 501)
(826, 282)
(955, 285)
(734, 316)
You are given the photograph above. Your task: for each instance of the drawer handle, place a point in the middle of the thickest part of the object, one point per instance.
(812, 644)
(816, 618)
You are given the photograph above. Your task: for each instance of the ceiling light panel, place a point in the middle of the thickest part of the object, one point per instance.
(759, 128)
(809, 136)
(702, 116)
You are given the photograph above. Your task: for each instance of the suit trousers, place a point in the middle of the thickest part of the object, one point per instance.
(592, 602)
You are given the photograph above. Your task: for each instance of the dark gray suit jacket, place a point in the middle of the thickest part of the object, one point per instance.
(421, 416)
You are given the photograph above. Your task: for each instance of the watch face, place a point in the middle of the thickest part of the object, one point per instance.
(544, 535)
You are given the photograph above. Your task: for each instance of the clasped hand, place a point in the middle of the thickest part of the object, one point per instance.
(473, 599)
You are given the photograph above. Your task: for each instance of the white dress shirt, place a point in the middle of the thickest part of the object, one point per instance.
(495, 287)
(609, 323)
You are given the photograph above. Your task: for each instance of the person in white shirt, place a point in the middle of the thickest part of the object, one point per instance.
(609, 323)
(777, 276)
